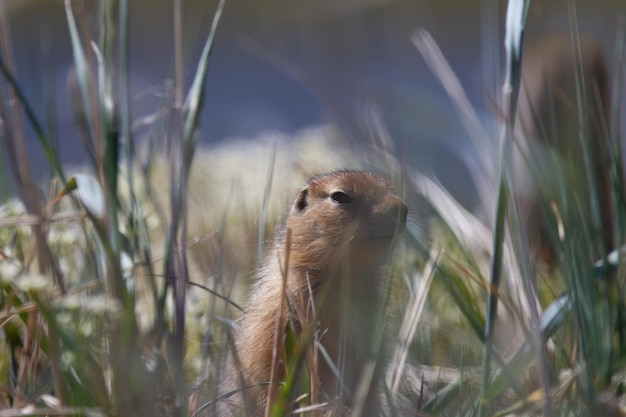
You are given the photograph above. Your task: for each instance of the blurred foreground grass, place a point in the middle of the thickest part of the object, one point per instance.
(117, 283)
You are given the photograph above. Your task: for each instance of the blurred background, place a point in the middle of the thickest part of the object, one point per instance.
(285, 65)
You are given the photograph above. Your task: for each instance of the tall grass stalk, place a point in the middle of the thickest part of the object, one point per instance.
(617, 174)
(182, 148)
(266, 199)
(591, 301)
(12, 133)
(111, 374)
(517, 12)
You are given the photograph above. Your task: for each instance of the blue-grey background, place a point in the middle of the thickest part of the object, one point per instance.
(286, 64)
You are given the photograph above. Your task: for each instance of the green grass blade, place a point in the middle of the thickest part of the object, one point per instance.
(266, 200)
(464, 299)
(89, 374)
(444, 397)
(44, 141)
(617, 157)
(516, 17)
(193, 103)
(82, 66)
(551, 320)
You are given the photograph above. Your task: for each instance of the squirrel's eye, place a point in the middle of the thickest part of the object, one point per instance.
(340, 197)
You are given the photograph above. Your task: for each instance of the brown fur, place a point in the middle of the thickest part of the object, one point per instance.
(553, 152)
(339, 246)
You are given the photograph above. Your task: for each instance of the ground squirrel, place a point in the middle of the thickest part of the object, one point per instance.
(562, 169)
(335, 244)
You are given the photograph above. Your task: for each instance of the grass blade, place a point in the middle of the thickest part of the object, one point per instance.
(516, 17)
(193, 103)
(43, 139)
(82, 67)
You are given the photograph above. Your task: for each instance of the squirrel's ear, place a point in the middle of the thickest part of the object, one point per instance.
(302, 201)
